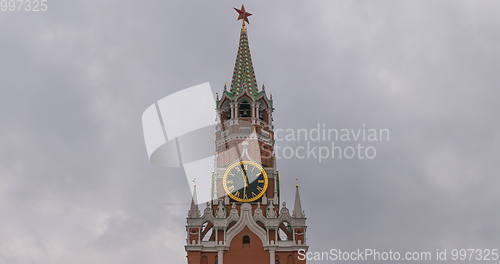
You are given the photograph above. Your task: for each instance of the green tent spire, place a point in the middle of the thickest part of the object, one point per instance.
(243, 74)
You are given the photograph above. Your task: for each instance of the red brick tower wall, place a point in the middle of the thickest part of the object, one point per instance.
(251, 253)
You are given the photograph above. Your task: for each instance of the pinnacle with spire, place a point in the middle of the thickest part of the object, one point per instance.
(194, 211)
(297, 208)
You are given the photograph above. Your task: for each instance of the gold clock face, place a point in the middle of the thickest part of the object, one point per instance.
(245, 181)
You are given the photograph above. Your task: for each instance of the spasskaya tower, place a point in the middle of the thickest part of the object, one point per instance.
(246, 222)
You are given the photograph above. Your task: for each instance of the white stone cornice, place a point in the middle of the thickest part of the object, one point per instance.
(281, 248)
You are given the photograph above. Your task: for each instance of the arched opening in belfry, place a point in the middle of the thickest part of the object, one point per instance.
(285, 231)
(245, 108)
(207, 233)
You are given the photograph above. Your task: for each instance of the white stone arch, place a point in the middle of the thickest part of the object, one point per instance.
(231, 224)
(207, 218)
(246, 219)
(244, 94)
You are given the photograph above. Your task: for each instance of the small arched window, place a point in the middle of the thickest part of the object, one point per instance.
(246, 239)
(245, 109)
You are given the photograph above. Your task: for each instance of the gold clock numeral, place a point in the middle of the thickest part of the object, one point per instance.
(245, 196)
(260, 181)
(260, 188)
(237, 194)
(254, 194)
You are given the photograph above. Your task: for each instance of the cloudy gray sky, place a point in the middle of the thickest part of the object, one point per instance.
(75, 183)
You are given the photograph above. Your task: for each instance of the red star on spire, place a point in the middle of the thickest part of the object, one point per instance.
(243, 14)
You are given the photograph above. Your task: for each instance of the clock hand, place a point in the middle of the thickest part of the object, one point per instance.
(245, 177)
